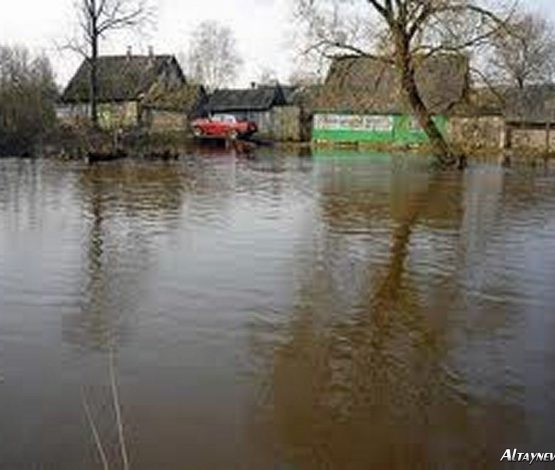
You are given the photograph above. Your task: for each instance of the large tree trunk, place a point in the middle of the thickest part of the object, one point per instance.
(94, 67)
(94, 89)
(440, 148)
(94, 84)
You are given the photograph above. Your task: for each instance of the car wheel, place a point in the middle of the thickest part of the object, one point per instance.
(197, 132)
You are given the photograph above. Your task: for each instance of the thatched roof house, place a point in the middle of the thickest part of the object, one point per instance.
(124, 77)
(362, 99)
(371, 86)
(124, 84)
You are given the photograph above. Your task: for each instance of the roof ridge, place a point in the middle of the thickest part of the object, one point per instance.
(134, 56)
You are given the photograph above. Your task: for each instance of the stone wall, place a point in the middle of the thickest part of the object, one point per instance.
(492, 132)
(533, 138)
(477, 132)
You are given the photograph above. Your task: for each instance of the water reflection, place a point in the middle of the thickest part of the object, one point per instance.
(126, 206)
(326, 311)
(373, 381)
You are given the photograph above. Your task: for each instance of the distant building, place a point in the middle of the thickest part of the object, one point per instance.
(255, 103)
(124, 81)
(506, 117)
(361, 99)
(530, 117)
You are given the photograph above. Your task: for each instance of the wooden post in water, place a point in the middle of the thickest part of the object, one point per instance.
(506, 146)
(550, 108)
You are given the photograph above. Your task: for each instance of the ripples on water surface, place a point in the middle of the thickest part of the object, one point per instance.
(344, 312)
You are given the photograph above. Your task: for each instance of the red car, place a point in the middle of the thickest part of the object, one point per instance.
(223, 126)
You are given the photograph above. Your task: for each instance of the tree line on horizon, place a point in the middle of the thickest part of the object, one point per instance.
(27, 96)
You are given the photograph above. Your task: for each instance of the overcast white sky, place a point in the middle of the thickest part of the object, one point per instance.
(262, 27)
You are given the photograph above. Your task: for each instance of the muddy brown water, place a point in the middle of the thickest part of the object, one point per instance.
(326, 312)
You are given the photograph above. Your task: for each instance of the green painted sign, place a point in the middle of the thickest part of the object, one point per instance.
(399, 129)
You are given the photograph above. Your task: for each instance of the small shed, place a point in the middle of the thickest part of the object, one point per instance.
(255, 103)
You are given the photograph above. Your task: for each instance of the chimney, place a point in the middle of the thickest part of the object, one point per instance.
(129, 52)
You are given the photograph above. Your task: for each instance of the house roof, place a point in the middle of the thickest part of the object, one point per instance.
(289, 93)
(482, 101)
(363, 84)
(188, 99)
(535, 104)
(251, 99)
(120, 78)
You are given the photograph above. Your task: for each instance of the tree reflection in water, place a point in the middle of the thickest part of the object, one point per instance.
(127, 205)
(367, 382)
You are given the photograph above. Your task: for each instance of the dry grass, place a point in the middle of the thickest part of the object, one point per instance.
(115, 402)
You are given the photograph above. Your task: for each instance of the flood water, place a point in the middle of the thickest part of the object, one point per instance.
(337, 311)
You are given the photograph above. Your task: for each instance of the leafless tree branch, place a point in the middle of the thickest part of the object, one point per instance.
(96, 19)
(414, 30)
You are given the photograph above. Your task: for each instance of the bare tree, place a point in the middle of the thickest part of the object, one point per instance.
(97, 19)
(524, 52)
(403, 33)
(213, 59)
(308, 69)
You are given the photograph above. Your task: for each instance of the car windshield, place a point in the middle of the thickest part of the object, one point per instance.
(224, 118)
